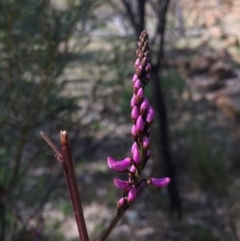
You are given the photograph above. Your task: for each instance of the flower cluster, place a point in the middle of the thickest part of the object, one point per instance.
(142, 116)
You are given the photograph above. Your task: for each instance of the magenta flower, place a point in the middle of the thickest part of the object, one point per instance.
(121, 184)
(158, 182)
(142, 116)
(119, 166)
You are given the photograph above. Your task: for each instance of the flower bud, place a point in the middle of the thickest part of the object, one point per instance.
(144, 61)
(144, 107)
(134, 79)
(134, 133)
(158, 182)
(121, 202)
(134, 145)
(137, 63)
(121, 184)
(136, 155)
(150, 115)
(137, 85)
(139, 96)
(139, 70)
(139, 125)
(132, 194)
(119, 166)
(134, 114)
(133, 101)
(146, 143)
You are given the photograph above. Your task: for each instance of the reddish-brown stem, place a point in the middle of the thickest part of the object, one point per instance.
(68, 169)
(65, 158)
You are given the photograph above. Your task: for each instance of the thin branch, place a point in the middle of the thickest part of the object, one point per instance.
(67, 165)
(65, 158)
(50, 143)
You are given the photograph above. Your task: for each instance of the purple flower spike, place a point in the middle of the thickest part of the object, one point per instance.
(121, 184)
(142, 115)
(139, 124)
(158, 182)
(133, 101)
(132, 194)
(139, 96)
(136, 156)
(134, 79)
(134, 114)
(119, 166)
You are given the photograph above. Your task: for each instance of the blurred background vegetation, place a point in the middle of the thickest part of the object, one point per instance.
(68, 64)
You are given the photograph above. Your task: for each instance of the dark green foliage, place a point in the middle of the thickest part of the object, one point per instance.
(34, 51)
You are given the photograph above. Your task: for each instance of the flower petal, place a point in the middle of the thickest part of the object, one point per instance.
(158, 182)
(119, 166)
(120, 183)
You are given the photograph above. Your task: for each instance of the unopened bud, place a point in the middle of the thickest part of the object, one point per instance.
(136, 155)
(139, 70)
(139, 125)
(137, 85)
(134, 114)
(146, 143)
(139, 96)
(137, 63)
(134, 133)
(144, 107)
(150, 115)
(132, 194)
(121, 203)
(134, 79)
